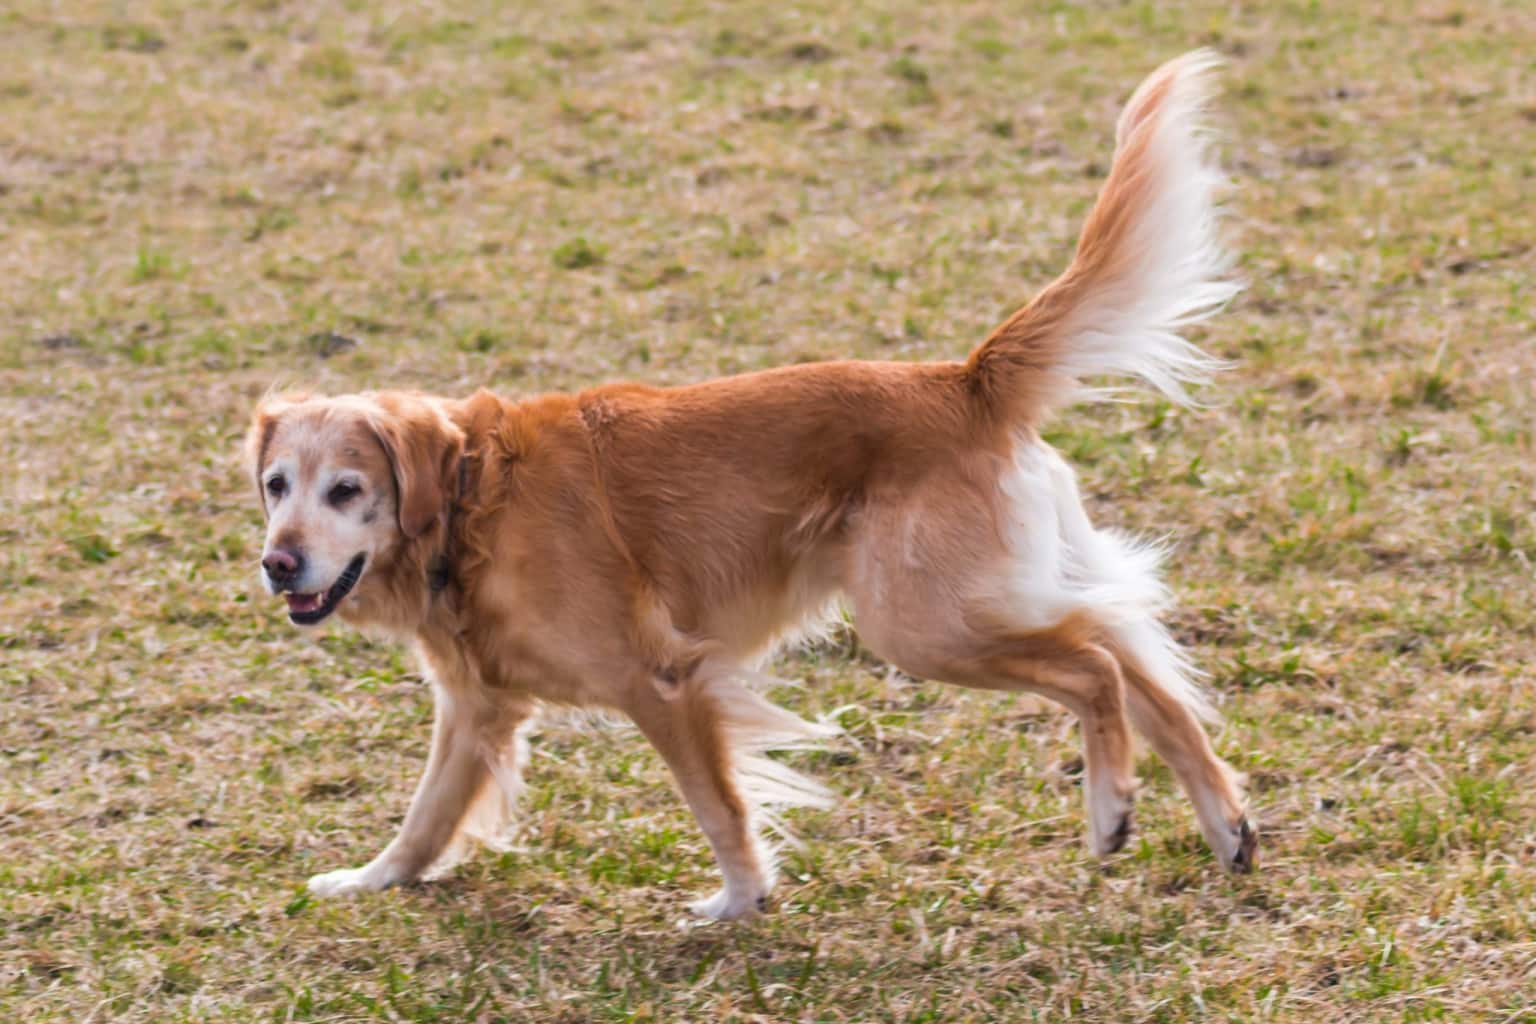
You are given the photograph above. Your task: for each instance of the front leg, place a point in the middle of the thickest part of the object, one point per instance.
(457, 779)
(688, 730)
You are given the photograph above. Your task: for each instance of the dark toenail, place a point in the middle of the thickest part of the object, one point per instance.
(1247, 847)
(762, 903)
(1121, 835)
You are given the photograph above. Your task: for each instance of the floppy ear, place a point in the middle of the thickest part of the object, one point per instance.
(424, 447)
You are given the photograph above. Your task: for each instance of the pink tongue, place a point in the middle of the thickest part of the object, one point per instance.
(303, 602)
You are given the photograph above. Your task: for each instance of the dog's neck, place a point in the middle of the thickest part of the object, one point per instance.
(440, 566)
(394, 600)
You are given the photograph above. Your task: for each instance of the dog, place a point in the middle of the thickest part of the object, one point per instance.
(641, 549)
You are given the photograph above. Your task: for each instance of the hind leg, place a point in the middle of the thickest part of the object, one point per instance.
(1155, 685)
(992, 575)
(1061, 663)
(1088, 682)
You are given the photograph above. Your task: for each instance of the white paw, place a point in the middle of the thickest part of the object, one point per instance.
(349, 880)
(726, 905)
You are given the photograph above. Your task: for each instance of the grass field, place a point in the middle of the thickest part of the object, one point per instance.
(197, 201)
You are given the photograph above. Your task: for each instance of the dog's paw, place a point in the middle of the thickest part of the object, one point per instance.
(1235, 844)
(1109, 824)
(1246, 856)
(349, 880)
(1113, 840)
(730, 906)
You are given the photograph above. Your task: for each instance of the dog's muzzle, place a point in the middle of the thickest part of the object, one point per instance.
(308, 609)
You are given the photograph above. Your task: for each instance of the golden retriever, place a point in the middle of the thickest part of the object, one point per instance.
(638, 549)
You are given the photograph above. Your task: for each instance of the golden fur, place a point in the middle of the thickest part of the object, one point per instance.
(637, 548)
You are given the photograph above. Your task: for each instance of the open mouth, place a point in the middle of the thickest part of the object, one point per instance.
(308, 609)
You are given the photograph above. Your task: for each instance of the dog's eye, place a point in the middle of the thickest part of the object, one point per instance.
(276, 486)
(344, 492)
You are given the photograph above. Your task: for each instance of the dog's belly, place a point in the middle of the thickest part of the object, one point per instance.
(762, 618)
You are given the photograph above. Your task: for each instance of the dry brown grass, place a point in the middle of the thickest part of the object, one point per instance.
(194, 199)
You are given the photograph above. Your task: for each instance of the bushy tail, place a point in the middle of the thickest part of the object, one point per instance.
(1147, 265)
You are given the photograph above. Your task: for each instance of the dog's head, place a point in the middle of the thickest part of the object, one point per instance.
(349, 486)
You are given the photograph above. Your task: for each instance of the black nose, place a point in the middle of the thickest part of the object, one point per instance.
(282, 565)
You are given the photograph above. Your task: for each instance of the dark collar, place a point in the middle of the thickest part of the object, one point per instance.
(440, 573)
